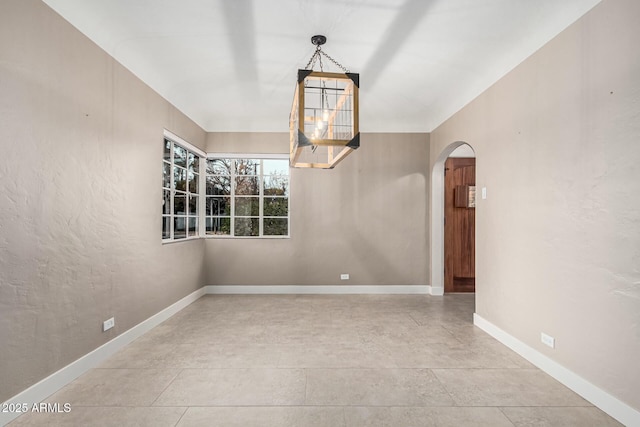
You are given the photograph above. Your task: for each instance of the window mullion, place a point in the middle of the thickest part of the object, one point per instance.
(202, 194)
(261, 199)
(232, 232)
(172, 193)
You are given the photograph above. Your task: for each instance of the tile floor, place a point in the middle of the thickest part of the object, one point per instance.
(315, 360)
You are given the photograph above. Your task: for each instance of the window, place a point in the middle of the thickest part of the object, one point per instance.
(180, 198)
(247, 197)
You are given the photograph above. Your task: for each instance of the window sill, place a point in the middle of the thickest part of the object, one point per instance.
(247, 237)
(188, 239)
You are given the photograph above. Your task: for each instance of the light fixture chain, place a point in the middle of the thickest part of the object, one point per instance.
(333, 60)
(316, 56)
(313, 59)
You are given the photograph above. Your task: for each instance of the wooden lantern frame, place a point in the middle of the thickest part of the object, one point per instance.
(337, 149)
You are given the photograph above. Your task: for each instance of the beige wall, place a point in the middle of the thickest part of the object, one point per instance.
(367, 217)
(248, 142)
(558, 237)
(80, 173)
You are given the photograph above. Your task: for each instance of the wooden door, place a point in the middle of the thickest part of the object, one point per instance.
(459, 226)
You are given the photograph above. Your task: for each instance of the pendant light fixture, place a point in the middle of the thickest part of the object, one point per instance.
(323, 124)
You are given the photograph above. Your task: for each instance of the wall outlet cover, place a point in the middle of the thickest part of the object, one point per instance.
(547, 340)
(108, 324)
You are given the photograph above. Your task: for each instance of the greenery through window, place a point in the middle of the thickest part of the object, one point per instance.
(247, 197)
(180, 198)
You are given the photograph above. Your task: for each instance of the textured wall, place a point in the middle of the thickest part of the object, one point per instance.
(367, 217)
(558, 237)
(80, 192)
(248, 142)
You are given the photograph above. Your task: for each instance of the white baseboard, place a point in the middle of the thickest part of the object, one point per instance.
(54, 382)
(321, 289)
(619, 410)
(437, 290)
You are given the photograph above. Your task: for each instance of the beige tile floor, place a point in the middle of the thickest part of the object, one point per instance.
(343, 360)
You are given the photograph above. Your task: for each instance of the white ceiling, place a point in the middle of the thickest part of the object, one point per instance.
(231, 65)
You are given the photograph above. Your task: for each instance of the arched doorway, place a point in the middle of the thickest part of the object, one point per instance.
(438, 217)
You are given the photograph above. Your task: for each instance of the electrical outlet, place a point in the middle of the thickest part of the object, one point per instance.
(108, 324)
(548, 340)
(344, 277)
(484, 193)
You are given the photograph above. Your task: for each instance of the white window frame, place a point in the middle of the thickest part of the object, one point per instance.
(248, 156)
(176, 140)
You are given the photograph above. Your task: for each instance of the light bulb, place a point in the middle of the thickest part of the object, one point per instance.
(325, 115)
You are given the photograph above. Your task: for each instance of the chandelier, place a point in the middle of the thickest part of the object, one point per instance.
(323, 123)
